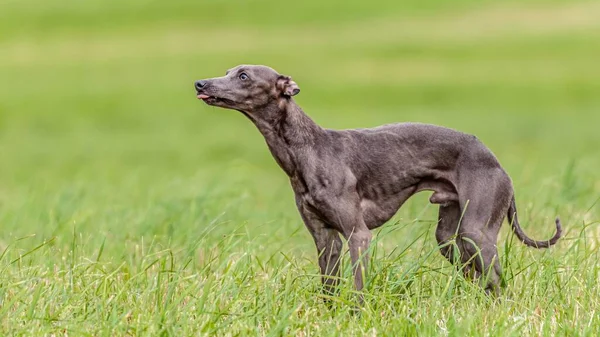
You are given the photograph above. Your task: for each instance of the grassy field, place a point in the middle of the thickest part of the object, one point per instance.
(127, 207)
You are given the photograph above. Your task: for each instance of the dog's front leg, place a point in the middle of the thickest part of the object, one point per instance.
(344, 214)
(329, 247)
(359, 239)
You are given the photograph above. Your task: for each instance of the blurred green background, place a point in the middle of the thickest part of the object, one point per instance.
(96, 97)
(102, 138)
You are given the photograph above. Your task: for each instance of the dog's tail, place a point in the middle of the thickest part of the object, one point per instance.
(514, 221)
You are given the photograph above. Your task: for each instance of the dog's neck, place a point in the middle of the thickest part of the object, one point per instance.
(287, 130)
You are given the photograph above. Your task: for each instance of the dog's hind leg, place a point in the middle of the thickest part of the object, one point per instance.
(484, 204)
(480, 259)
(447, 229)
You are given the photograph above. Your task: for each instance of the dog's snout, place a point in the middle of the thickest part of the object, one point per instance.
(200, 84)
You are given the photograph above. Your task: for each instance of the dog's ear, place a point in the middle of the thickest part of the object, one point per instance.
(287, 87)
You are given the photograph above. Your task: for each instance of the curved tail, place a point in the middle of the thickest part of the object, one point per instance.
(514, 221)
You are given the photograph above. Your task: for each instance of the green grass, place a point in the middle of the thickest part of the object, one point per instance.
(129, 208)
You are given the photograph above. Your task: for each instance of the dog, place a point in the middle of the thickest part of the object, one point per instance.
(349, 182)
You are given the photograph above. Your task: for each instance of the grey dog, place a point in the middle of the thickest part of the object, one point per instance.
(351, 181)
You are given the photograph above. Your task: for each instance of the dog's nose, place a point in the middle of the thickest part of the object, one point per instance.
(200, 84)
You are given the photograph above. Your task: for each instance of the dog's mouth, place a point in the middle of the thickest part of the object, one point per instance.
(212, 100)
(206, 98)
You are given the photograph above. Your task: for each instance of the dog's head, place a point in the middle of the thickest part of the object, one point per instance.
(246, 88)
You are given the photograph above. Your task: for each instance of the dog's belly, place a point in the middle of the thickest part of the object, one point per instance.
(376, 212)
(378, 209)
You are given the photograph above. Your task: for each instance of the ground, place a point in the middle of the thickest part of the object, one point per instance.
(127, 207)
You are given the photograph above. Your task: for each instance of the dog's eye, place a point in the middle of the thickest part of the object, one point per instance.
(243, 76)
